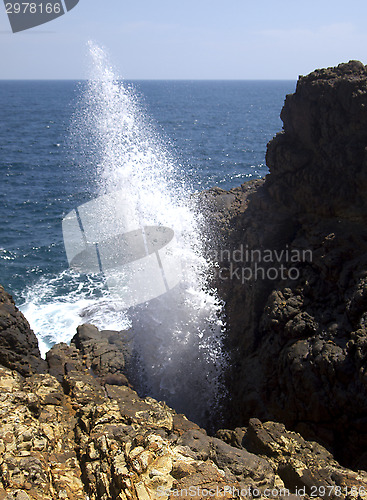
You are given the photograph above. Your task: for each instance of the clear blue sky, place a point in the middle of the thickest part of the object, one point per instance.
(191, 39)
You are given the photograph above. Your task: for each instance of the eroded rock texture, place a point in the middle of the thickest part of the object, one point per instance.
(76, 434)
(299, 340)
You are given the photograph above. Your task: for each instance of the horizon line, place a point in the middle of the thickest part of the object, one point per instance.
(153, 79)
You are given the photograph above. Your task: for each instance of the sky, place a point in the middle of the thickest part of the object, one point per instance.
(194, 39)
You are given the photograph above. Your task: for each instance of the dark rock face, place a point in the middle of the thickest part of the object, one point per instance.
(318, 163)
(18, 344)
(299, 338)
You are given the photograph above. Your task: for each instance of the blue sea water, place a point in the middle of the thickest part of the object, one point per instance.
(216, 130)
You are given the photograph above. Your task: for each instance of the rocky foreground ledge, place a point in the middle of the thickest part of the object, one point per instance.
(71, 427)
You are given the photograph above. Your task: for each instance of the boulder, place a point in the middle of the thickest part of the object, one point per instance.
(105, 352)
(18, 344)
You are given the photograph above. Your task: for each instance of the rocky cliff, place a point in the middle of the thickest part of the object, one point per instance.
(297, 315)
(75, 429)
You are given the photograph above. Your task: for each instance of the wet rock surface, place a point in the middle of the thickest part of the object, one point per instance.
(71, 434)
(297, 325)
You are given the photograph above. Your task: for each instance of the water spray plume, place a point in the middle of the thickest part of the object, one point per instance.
(140, 196)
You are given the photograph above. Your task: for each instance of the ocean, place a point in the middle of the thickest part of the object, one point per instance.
(214, 133)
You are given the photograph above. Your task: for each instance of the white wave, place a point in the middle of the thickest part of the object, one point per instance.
(55, 306)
